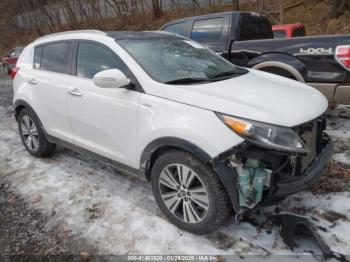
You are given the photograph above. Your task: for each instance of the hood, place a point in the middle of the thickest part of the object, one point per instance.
(257, 95)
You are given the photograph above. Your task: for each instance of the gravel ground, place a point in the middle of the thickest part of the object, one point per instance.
(22, 229)
(24, 235)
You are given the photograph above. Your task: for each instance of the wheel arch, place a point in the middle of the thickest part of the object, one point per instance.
(280, 61)
(155, 148)
(19, 105)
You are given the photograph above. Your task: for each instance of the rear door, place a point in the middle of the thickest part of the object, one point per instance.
(48, 83)
(104, 120)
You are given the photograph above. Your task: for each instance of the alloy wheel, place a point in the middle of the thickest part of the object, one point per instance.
(184, 193)
(30, 133)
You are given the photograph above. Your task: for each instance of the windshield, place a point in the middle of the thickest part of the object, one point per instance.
(176, 61)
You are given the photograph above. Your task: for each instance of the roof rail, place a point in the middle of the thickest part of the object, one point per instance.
(72, 32)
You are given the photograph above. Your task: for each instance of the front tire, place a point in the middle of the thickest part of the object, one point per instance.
(32, 135)
(189, 193)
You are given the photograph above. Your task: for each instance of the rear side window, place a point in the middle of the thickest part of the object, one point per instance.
(250, 28)
(253, 28)
(265, 28)
(55, 57)
(207, 31)
(93, 58)
(178, 29)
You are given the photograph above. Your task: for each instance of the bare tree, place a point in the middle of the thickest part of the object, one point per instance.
(235, 5)
(339, 7)
(157, 6)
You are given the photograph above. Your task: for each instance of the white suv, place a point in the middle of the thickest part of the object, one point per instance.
(210, 136)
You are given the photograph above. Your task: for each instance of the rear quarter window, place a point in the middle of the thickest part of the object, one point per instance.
(55, 57)
(37, 57)
(208, 30)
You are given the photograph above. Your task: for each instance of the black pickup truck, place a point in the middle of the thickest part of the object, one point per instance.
(246, 39)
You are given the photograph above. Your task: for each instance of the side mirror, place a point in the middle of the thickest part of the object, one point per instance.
(111, 78)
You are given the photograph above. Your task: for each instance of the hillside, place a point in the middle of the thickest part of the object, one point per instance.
(315, 15)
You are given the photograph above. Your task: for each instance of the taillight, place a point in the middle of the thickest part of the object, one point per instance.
(342, 55)
(14, 72)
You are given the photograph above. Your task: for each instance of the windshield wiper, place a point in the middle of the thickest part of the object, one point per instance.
(227, 74)
(187, 80)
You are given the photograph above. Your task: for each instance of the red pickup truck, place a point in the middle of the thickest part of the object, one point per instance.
(288, 30)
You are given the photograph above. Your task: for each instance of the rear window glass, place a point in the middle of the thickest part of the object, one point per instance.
(55, 57)
(206, 31)
(178, 29)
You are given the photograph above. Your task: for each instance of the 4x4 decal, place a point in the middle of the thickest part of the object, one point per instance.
(315, 51)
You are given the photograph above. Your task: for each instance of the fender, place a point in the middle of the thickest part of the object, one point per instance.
(226, 174)
(166, 143)
(279, 60)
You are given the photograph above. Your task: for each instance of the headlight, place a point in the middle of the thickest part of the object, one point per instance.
(265, 135)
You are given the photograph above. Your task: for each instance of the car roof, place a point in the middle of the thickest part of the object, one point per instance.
(117, 35)
(120, 35)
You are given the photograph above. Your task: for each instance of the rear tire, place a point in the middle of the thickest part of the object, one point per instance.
(189, 192)
(32, 135)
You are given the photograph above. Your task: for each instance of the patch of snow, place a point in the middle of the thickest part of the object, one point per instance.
(118, 214)
(338, 127)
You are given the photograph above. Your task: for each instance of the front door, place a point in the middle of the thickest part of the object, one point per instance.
(104, 120)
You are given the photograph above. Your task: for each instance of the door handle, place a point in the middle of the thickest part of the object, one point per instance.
(33, 81)
(75, 92)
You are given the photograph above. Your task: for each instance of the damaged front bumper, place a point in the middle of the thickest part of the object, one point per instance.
(254, 176)
(310, 176)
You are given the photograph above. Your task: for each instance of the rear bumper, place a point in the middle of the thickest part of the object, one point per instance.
(312, 174)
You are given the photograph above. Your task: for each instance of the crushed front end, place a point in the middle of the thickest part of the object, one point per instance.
(255, 175)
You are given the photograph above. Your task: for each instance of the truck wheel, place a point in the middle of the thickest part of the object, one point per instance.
(32, 135)
(189, 193)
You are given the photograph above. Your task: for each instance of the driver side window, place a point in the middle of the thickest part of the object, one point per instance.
(93, 58)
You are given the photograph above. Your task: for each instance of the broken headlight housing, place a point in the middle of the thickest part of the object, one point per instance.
(266, 135)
